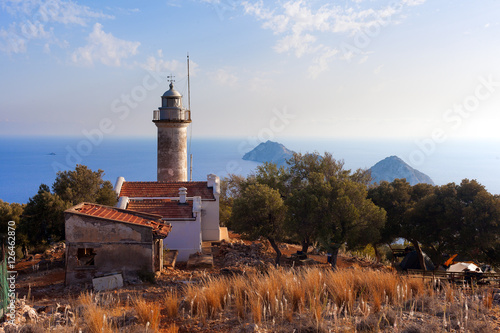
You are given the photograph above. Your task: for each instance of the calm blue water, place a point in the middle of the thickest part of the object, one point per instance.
(25, 163)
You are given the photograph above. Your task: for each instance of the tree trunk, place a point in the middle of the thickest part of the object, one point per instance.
(377, 253)
(335, 253)
(305, 244)
(420, 255)
(276, 249)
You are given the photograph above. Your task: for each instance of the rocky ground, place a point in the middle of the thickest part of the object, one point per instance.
(43, 297)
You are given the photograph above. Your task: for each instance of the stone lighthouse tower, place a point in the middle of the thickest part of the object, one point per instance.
(172, 121)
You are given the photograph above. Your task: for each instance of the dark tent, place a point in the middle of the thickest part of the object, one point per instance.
(410, 261)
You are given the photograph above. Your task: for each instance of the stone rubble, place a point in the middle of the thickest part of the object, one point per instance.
(26, 314)
(237, 254)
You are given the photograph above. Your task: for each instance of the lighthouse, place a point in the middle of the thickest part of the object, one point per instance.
(172, 121)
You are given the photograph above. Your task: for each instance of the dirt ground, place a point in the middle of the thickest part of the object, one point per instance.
(41, 278)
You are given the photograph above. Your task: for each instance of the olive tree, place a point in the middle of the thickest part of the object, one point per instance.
(260, 211)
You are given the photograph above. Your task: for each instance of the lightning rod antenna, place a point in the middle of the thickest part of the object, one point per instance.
(191, 128)
(189, 85)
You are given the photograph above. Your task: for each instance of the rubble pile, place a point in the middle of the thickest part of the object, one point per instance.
(26, 315)
(239, 254)
(351, 260)
(23, 314)
(55, 251)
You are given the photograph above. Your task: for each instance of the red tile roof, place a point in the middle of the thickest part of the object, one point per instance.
(166, 189)
(164, 207)
(159, 227)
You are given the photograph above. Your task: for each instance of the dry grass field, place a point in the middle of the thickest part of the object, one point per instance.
(284, 300)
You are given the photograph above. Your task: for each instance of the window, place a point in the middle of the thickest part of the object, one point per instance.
(85, 256)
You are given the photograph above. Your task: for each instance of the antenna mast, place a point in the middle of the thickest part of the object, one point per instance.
(190, 167)
(191, 128)
(189, 85)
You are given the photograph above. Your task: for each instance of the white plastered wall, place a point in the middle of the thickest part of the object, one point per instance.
(210, 212)
(185, 235)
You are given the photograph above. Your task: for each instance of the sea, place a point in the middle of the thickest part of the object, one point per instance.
(27, 162)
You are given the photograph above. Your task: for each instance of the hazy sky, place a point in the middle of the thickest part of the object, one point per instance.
(399, 69)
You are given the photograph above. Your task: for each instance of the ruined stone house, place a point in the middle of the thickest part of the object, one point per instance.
(101, 240)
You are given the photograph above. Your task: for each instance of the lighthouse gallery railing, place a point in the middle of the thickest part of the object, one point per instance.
(172, 115)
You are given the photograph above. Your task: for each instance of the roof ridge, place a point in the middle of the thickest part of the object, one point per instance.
(165, 182)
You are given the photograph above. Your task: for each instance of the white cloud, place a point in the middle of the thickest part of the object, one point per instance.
(105, 48)
(14, 39)
(304, 29)
(11, 42)
(378, 70)
(260, 82)
(363, 60)
(225, 78)
(321, 62)
(412, 2)
(301, 44)
(33, 20)
(66, 12)
(158, 64)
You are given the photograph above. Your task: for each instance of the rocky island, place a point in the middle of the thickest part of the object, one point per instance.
(393, 167)
(269, 151)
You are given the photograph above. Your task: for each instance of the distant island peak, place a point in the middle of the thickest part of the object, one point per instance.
(393, 167)
(269, 151)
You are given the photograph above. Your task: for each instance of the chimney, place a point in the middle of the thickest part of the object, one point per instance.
(182, 195)
(214, 182)
(123, 203)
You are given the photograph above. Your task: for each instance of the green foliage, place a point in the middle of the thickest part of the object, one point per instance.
(444, 219)
(43, 217)
(329, 203)
(229, 189)
(274, 177)
(323, 202)
(398, 199)
(395, 199)
(260, 211)
(352, 219)
(84, 185)
(459, 219)
(106, 194)
(9, 212)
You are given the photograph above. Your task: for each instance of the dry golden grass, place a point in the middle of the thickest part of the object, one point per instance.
(417, 285)
(256, 308)
(172, 329)
(172, 304)
(450, 293)
(308, 299)
(148, 313)
(96, 318)
(280, 293)
(488, 299)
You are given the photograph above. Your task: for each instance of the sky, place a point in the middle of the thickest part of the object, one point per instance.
(400, 69)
